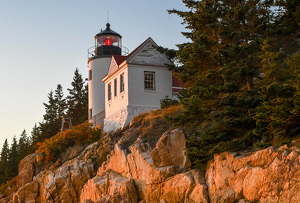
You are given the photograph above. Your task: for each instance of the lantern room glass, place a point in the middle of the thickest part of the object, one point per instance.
(108, 40)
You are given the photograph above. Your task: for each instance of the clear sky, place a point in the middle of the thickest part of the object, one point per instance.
(43, 42)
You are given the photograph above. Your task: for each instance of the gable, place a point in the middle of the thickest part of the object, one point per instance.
(115, 62)
(113, 66)
(146, 54)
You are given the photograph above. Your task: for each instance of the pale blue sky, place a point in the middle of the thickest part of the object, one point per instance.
(42, 42)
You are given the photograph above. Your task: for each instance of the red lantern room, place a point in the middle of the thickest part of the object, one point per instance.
(108, 42)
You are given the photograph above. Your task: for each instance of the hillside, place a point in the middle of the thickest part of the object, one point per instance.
(147, 162)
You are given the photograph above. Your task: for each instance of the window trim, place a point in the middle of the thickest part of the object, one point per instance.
(109, 91)
(122, 83)
(115, 87)
(149, 80)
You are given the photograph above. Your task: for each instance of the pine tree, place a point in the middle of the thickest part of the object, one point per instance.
(51, 109)
(13, 161)
(278, 115)
(50, 126)
(77, 99)
(219, 65)
(23, 145)
(3, 162)
(60, 103)
(36, 136)
(288, 29)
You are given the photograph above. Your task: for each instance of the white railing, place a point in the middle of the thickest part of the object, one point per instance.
(97, 119)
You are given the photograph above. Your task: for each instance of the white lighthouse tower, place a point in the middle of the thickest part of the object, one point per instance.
(107, 43)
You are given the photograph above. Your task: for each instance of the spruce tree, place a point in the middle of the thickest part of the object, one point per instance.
(219, 66)
(23, 145)
(51, 108)
(278, 115)
(77, 99)
(60, 103)
(3, 162)
(13, 161)
(36, 136)
(50, 126)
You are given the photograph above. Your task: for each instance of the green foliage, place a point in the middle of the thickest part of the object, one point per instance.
(13, 160)
(278, 115)
(61, 105)
(77, 100)
(23, 145)
(240, 91)
(55, 111)
(167, 102)
(263, 145)
(3, 162)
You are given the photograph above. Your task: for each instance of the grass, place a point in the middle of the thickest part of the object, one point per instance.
(148, 126)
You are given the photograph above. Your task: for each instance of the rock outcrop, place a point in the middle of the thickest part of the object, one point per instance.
(63, 184)
(167, 181)
(270, 175)
(163, 174)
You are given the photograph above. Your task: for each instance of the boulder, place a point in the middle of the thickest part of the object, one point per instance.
(170, 150)
(28, 168)
(109, 187)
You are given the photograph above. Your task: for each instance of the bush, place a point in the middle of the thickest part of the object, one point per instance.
(59, 143)
(166, 102)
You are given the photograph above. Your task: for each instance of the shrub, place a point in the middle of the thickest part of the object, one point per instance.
(167, 102)
(59, 143)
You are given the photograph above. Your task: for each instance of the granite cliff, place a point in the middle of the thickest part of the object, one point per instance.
(110, 171)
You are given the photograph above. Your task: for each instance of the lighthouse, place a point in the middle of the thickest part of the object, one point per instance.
(107, 44)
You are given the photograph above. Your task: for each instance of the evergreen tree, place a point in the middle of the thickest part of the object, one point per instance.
(278, 115)
(77, 99)
(23, 145)
(51, 109)
(218, 67)
(287, 24)
(50, 126)
(60, 103)
(13, 162)
(36, 136)
(3, 162)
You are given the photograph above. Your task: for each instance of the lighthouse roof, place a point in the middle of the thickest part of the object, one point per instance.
(108, 31)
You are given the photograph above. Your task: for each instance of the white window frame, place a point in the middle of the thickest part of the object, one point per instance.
(115, 87)
(149, 80)
(109, 92)
(122, 84)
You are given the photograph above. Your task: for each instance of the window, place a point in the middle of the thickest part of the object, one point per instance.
(149, 81)
(115, 87)
(109, 91)
(122, 83)
(90, 74)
